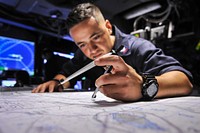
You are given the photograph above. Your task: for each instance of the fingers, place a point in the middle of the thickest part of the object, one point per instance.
(124, 93)
(39, 89)
(121, 85)
(113, 86)
(113, 91)
(116, 61)
(108, 79)
(119, 92)
(50, 85)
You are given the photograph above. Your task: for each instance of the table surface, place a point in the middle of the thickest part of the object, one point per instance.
(75, 112)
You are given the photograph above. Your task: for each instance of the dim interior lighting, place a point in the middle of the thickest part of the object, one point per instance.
(67, 37)
(31, 28)
(142, 10)
(55, 14)
(69, 56)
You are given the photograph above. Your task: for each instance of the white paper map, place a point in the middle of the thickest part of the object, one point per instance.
(75, 112)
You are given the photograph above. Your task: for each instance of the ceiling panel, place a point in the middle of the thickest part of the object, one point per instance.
(40, 7)
(113, 7)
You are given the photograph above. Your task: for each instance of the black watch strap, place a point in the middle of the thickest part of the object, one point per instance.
(59, 86)
(149, 87)
(56, 80)
(147, 77)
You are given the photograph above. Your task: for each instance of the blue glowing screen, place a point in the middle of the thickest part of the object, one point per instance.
(17, 54)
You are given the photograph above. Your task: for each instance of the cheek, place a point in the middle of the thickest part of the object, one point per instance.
(86, 52)
(107, 46)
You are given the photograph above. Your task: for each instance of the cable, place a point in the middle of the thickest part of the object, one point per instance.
(148, 17)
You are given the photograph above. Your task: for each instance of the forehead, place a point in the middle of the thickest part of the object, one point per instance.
(84, 29)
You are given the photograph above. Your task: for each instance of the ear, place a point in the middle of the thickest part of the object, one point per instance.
(108, 26)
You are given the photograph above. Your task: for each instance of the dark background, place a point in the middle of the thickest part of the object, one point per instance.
(43, 21)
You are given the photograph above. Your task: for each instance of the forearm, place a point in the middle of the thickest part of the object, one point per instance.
(174, 83)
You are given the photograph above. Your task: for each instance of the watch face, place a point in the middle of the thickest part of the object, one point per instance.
(152, 90)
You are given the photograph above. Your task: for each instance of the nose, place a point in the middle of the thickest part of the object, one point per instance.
(92, 47)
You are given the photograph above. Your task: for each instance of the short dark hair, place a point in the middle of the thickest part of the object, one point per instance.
(82, 12)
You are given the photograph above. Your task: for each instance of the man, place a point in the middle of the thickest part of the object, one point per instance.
(140, 70)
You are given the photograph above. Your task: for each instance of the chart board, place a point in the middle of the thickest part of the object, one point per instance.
(75, 112)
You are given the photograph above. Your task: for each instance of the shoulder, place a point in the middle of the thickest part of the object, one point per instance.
(141, 43)
(140, 46)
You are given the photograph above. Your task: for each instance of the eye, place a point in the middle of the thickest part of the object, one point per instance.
(97, 37)
(81, 45)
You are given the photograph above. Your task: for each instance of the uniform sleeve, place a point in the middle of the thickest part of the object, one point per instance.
(149, 59)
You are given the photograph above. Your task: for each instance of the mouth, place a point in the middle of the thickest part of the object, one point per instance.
(96, 56)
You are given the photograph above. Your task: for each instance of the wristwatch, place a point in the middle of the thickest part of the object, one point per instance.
(59, 87)
(149, 87)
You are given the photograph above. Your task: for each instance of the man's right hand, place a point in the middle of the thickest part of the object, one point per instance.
(47, 86)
